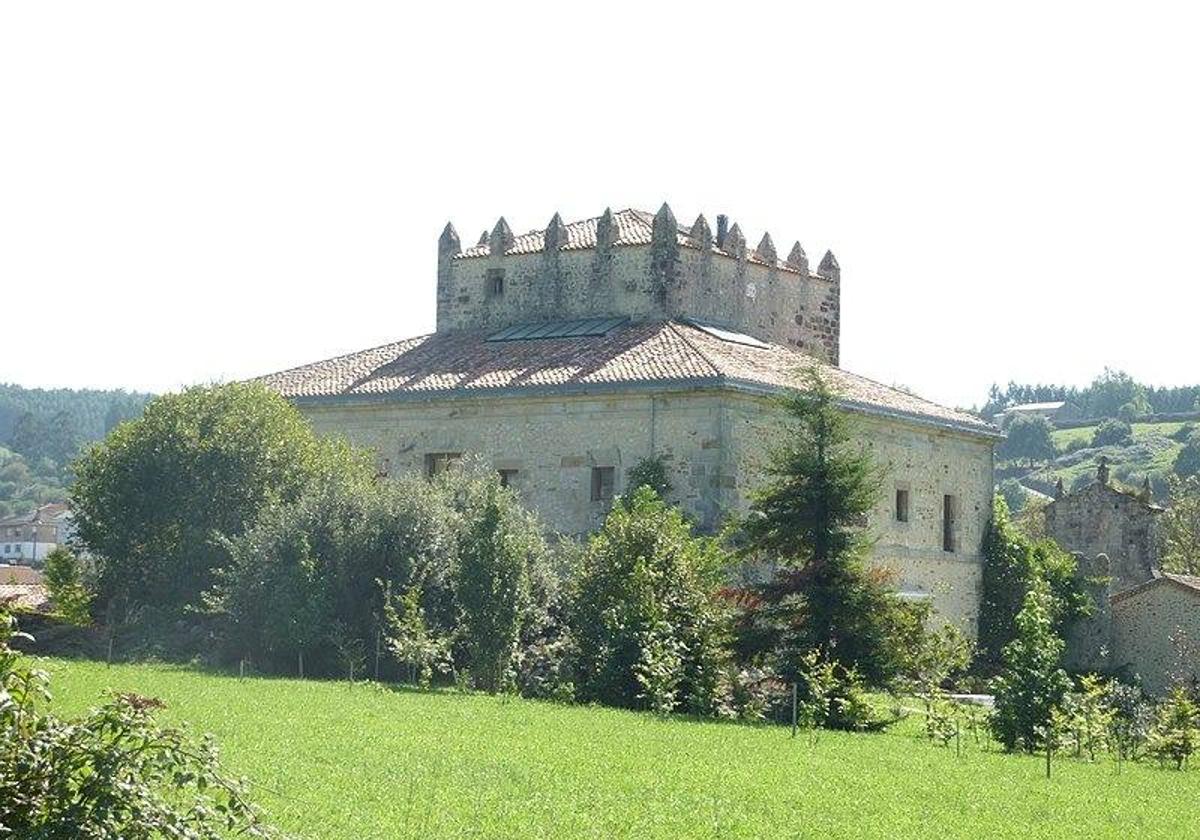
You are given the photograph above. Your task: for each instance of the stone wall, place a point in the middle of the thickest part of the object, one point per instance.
(1100, 519)
(712, 442)
(1156, 633)
(781, 302)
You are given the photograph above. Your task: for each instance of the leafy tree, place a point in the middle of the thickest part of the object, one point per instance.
(1112, 433)
(808, 519)
(649, 631)
(64, 580)
(1187, 462)
(113, 773)
(1033, 682)
(150, 500)
(409, 638)
(491, 581)
(1012, 564)
(1180, 526)
(651, 472)
(1029, 438)
(1014, 493)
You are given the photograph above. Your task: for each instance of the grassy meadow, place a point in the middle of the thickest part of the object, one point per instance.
(332, 761)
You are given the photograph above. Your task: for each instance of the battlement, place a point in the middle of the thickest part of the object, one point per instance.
(642, 266)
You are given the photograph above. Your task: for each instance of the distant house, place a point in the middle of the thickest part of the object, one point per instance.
(29, 537)
(1055, 412)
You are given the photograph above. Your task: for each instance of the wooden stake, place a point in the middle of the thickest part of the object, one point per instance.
(301, 657)
(241, 668)
(793, 710)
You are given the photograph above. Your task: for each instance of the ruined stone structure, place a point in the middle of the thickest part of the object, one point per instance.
(1156, 631)
(565, 355)
(1102, 519)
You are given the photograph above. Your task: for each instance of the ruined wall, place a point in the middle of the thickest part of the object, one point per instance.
(1103, 520)
(1156, 633)
(748, 290)
(713, 443)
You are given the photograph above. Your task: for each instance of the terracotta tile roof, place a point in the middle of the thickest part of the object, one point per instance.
(634, 227)
(19, 574)
(648, 352)
(1190, 583)
(24, 596)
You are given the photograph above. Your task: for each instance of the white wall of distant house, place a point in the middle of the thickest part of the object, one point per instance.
(11, 552)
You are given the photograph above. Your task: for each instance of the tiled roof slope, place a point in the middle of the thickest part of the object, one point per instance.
(634, 227)
(1190, 583)
(648, 352)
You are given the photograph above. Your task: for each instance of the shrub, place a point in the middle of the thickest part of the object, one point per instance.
(1029, 438)
(1112, 433)
(1033, 683)
(113, 773)
(648, 628)
(64, 580)
(1175, 735)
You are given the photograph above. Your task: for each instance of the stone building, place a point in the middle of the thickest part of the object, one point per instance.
(1156, 631)
(566, 355)
(1104, 519)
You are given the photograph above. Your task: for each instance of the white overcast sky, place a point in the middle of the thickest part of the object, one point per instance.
(208, 191)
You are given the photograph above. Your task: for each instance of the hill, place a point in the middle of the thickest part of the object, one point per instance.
(330, 761)
(42, 430)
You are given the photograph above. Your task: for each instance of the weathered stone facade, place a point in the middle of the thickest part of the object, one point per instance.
(1156, 632)
(1100, 519)
(643, 267)
(705, 332)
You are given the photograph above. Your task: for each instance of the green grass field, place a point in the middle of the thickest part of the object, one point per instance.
(1062, 437)
(330, 761)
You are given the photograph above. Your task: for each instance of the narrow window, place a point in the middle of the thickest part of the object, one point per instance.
(901, 505)
(439, 462)
(602, 484)
(495, 282)
(507, 477)
(948, 523)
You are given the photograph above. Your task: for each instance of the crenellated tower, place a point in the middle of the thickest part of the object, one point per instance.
(642, 266)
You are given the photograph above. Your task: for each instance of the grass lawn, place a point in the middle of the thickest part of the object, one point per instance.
(331, 761)
(1062, 437)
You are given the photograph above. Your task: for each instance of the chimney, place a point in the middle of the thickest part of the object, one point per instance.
(722, 229)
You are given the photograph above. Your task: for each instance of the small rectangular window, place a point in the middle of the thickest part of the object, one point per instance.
(439, 462)
(495, 282)
(602, 484)
(948, 524)
(901, 505)
(507, 477)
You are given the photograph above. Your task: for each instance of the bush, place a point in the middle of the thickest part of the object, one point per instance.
(650, 472)
(649, 631)
(1175, 735)
(1113, 433)
(113, 773)
(64, 580)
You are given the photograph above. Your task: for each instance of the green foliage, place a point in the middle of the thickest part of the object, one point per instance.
(1187, 462)
(1180, 526)
(651, 472)
(1033, 683)
(64, 580)
(499, 544)
(1014, 493)
(1027, 437)
(807, 519)
(1113, 433)
(1175, 735)
(409, 639)
(112, 773)
(1084, 720)
(648, 629)
(151, 500)
(1012, 563)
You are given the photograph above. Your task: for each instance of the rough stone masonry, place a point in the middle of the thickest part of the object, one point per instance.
(563, 356)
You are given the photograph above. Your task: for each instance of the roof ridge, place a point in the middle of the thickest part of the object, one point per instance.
(672, 323)
(344, 356)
